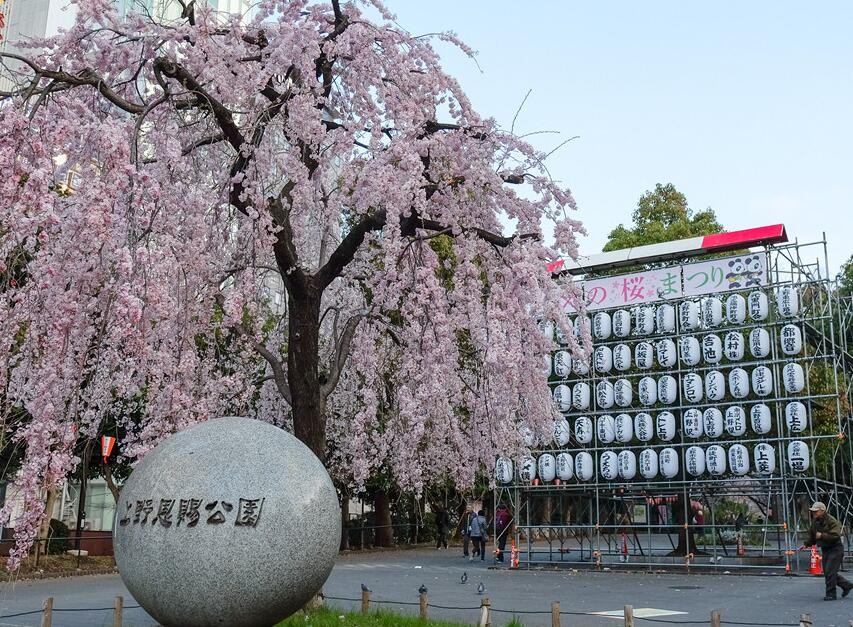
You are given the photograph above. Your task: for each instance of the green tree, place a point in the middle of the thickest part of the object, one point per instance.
(662, 215)
(845, 278)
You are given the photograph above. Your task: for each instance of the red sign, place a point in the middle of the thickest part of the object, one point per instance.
(107, 443)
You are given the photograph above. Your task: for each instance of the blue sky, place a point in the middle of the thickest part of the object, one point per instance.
(745, 107)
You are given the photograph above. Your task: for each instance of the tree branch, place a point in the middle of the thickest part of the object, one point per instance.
(342, 353)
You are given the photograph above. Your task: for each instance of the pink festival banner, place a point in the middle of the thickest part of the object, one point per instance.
(695, 279)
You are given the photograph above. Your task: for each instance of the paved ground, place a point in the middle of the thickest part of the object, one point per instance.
(397, 575)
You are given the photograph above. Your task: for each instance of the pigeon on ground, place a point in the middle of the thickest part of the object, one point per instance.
(364, 588)
(464, 578)
(481, 588)
(422, 589)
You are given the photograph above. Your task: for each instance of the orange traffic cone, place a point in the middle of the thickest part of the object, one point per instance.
(624, 548)
(740, 550)
(814, 563)
(513, 555)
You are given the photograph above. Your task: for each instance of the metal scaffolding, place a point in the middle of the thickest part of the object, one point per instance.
(687, 522)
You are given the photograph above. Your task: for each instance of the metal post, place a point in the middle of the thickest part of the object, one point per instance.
(118, 607)
(555, 614)
(47, 612)
(365, 601)
(424, 605)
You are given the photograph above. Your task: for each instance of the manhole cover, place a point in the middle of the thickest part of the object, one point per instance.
(685, 587)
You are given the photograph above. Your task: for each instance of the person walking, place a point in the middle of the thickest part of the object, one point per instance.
(467, 517)
(441, 529)
(825, 532)
(479, 535)
(502, 523)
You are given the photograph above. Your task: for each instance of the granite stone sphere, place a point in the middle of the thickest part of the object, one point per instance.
(230, 522)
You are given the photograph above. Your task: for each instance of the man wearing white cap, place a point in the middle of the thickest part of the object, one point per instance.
(825, 532)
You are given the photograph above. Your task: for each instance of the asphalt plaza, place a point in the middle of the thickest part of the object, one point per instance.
(593, 598)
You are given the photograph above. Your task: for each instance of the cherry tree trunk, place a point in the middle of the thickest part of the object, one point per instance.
(309, 423)
(382, 519)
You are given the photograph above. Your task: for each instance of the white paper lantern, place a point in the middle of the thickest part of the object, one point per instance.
(712, 349)
(503, 470)
(733, 346)
(648, 463)
(762, 381)
(735, 420)
(602, 326)
(794, 378)
(712, 420)
(798, 456)
(547, 365)
(562, 364)
(581, 395)
(565, 466)
(622, 357)
(715, 460)
(666, 353)
(621, 323)
(627, 463)
(665, 319)
(759, 342)
(580, 366)
(668, 463)
(606, 429)
(547, 467)
(563, 397)
(692, 387)
(791, 339)
(758, 308)
(644, 355)
(583, 466)
(645, 320)
(690, 351)
(604, 394)
(788, 301)
(665, 426)
(602, 359)
(765, 459)
(644, 427)
(624, 428)
(796, 417)
(562, 338)
(562, 432)
(667, 390)
(688, 315)
(759, 418)
(546, 328)
(712, 312)
(694, 461)
(738, 383)
(691, 423)
(581, 324)
(583, 430)
(715, 385)
(738, 459)
(623, 394)
(735, 309)
(608, 465)
(527, 469)
(647, 390)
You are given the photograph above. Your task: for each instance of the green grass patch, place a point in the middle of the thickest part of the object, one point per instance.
(330, 617)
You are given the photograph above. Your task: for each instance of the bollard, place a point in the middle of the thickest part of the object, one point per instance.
(118, 607)
(365, 601)
(423, 600)
(555, 614)
(485, 613)
(805, 620)
(629, 616)
(47, 612)
(715, 618)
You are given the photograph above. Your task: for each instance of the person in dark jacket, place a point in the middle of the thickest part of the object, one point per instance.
(502, 523)
(466, 529)
(441, 520)
(825, 532)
